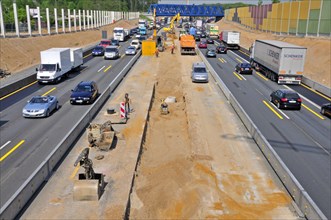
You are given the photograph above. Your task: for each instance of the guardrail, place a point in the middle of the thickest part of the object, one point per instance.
(306, 205)
(22, 196)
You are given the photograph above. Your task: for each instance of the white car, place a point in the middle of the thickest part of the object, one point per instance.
(135, 43)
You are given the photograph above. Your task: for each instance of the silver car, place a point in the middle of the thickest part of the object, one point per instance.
(131, 50)
(40, 106)
(199, 72)
(111, 52)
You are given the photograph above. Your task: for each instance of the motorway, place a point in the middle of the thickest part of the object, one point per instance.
(300, 138)
(25, 143)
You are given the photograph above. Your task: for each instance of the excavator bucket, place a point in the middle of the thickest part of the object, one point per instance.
(86, 190)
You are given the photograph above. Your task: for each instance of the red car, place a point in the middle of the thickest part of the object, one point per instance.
(105, 43)
(202, 44)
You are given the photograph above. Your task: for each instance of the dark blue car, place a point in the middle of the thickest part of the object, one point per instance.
(85, 92)
(98, 51)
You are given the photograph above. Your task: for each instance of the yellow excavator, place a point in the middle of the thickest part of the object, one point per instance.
(171, 29)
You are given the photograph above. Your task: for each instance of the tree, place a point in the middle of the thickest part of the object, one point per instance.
(275, 1)
(260, 2)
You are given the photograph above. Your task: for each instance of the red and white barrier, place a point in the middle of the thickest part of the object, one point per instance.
(122, 109)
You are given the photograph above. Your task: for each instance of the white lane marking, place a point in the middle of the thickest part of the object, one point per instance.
(239, 56)
(243, 77)
(311, 102)
(279, 110)
(8, 142)
(101, 68)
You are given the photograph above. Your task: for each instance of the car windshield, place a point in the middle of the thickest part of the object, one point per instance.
(98, 48)
(134, 42)
(114, 42)
(39, 100)
(291, 95)
(211, 51)
(131, 48)
(105, 42)
(47, 67)
(118, 31)
(83, 88)
(246, 65)
(111, 49)
(199, 69)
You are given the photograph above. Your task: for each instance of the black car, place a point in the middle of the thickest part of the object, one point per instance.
(326, 109)
(115, 43)
(244, 68)
(285, 98)
(210, 41)
(85, 92)
(98, 51)
(210, 53)
(197, 37)
(221, 49)
(203, 35)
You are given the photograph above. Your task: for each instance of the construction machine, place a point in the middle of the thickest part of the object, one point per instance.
(171, 29)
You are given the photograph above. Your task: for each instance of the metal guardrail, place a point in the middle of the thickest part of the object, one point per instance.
(306, 205)
(22, 196)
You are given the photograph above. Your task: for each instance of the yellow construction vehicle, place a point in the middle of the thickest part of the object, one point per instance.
(171, 29)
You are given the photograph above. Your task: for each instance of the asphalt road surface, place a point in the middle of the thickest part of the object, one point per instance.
(25, 143)
(300, 138)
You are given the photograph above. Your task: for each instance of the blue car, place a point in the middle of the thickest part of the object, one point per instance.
(40, 106)
(98, 51)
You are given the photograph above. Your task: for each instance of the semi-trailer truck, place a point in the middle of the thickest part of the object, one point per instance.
(279, 61)
(57, 63)
(231, 38)
(212, 30)
(121, 34)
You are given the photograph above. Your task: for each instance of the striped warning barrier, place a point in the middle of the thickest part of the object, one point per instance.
(122, 109)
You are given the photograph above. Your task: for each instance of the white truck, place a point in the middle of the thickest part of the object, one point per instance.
(212, 30)
(199, 23)
(142, 23)
(231, 38)
(121, 34)
(57, 63)
(280, 61)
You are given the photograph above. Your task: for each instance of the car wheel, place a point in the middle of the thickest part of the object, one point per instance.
(270, 99)
(323, 111)
(278, 105)
(299, 108)
(47, 113)
(57, 106)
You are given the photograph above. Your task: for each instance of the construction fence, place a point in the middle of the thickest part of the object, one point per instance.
(38, 22)
(300, 18)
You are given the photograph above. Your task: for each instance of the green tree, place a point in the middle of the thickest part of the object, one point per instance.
(275, 1)
(260, 2)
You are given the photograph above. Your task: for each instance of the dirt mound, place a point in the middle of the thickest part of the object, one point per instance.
(19, 53)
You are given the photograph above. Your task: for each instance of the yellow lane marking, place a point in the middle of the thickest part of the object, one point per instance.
(260, 75)
(318, 93)
(312, 111)
(273, 110)
(74, 172)
(224, 60)
(221, 60)
(122, 55)
(10, 94)
(107, 68)
(12, 150)
(240, 61)
(210, 87)
(87, 55)
(46, 93)
(244, 52)
(239, 77)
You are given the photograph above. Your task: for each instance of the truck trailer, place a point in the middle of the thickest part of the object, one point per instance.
(212, 30)
(57, 63)
(187, 45)
(231, 39)
(279, 61)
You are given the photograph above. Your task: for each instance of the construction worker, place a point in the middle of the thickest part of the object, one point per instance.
(127, 104)
(172, 48)
(157, 52)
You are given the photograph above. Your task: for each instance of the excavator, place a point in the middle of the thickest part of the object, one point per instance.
(171, 29)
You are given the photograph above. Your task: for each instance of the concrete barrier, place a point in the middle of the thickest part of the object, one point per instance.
(317, 86)
(301, 198)
(22, 196)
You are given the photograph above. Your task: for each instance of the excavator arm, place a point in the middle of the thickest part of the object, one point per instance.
(171, 28)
